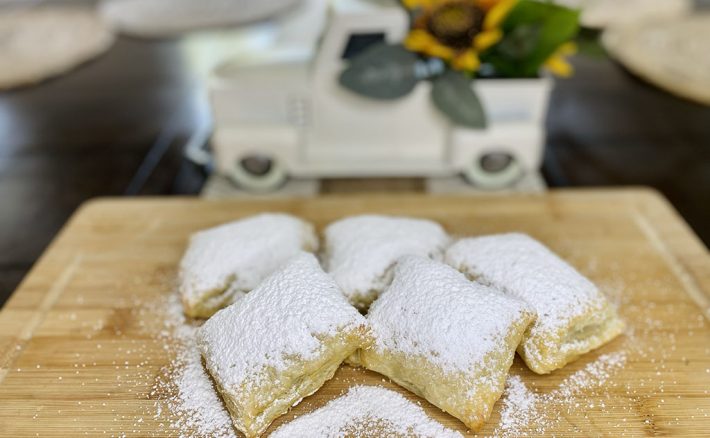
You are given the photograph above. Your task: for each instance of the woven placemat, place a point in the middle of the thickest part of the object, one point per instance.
(39, 42)
(164, 18)
(674, 55)
(600, 14)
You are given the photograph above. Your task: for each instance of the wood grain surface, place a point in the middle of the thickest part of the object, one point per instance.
(76, 360)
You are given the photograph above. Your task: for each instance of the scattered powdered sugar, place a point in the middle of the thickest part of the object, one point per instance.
(360, 250)
(520, 407)
(242, 253)
(366, 411)
(199, 405)
(280, 322)
(525, 411)
(183, 403)
(193, 403)
(592, 375)
(196, 410)
(432, 310)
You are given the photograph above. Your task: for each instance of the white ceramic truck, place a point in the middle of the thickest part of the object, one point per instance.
(282, 113)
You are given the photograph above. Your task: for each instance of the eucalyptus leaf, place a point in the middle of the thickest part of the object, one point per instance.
(383, 71)
(453, 95)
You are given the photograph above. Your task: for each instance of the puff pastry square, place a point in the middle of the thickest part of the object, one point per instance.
(360, 251)
(573, 316)
(448, 340)
(221, 264)
(279, 343)
(365, 412)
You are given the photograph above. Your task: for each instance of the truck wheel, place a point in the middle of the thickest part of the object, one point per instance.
(495, 170)
(258, 173)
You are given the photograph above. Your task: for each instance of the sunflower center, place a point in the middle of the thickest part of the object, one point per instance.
(455, 23)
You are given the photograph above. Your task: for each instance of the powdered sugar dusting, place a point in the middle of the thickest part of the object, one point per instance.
(195, 409)
(194, 405)
(279, 322)
(366, 411)
(361, 249)
(242, 253)
(525, 411)
(522, 267)
(432, 310)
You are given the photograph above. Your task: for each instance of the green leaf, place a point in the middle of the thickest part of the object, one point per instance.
(521, 42)
(452, 94)
(382, 72)
(533, 31)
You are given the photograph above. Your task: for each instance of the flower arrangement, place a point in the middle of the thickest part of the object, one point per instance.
(453, 42)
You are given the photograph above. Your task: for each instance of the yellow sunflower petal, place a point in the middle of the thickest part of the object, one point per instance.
(557, 62)
(486, 4)
(418, 40)
(559, 66)
(496, 15)
(422, 41)
(416, 4)
(467, 61)
(438, 50)
(487, 38)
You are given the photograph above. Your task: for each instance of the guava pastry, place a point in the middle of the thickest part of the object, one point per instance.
(573, 316)
(221, 264)
(279, 343)
(366, 411)
(360, 251)
(445, 338)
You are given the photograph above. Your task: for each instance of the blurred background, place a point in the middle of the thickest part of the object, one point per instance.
(269, 98)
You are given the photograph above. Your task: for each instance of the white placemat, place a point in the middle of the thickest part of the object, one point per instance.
(164, 18)
(599, 14)
(39, 42)
(674, 55)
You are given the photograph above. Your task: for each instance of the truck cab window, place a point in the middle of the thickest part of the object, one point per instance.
(361, 41)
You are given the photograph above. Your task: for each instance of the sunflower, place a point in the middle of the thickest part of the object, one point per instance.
(456, 30)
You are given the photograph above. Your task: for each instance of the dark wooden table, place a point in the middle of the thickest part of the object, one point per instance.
(116, 127)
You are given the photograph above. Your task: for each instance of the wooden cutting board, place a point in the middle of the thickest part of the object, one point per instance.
(75, 359)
